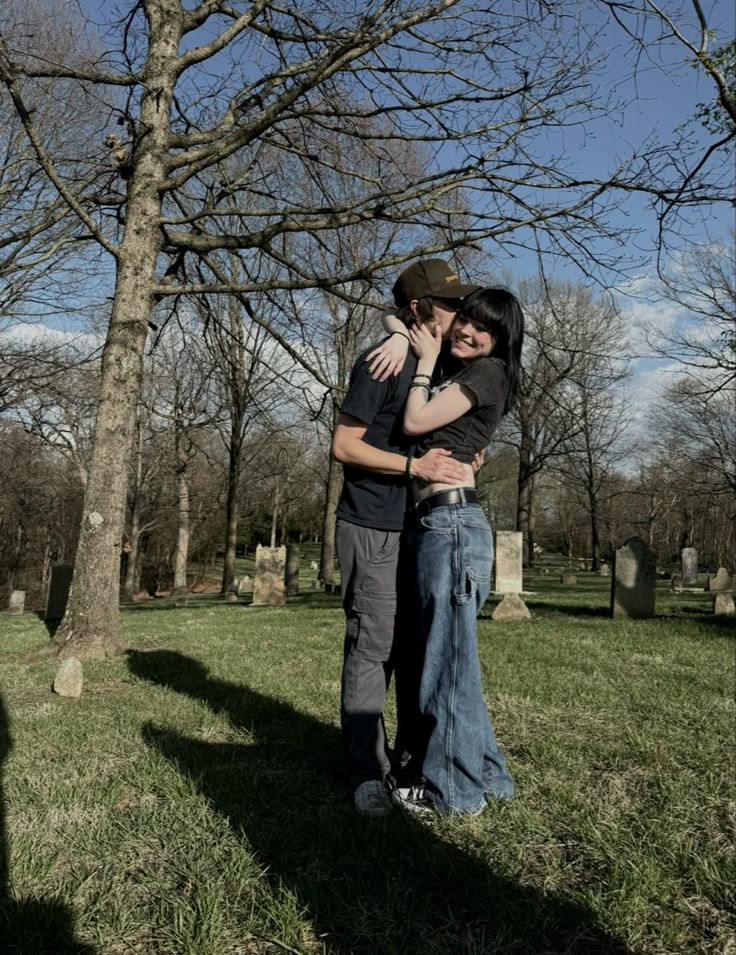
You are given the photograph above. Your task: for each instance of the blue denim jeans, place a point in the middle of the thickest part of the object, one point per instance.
(463, 764)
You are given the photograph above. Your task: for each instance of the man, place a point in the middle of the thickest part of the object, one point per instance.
(370, 443)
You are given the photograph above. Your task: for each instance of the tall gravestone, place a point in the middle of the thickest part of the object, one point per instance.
(509, 552)
(634, 580)
(689, 560)
(269, 589)
(721, 582)
(17, 601)
(292, 569)
(60, 580)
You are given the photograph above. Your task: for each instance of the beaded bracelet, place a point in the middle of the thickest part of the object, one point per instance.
(419, 384)
(426, 377)
(409, 459)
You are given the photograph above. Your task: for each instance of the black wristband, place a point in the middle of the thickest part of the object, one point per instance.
(403, 335)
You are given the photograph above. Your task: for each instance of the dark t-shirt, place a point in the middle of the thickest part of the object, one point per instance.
(465, 436)
(368, 498)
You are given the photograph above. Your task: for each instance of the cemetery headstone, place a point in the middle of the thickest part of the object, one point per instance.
(604, 570)
(60, 580)
(69, 678)
(634, 580)
(569, 580)
(511, 607)
(313, 565)
(689, 560)
(269, 589)
(721, 582)
(17, 601)
(724, 603)
(676, 583)
(246, 584)
(509, 551)
(231, 597)
(292, 569)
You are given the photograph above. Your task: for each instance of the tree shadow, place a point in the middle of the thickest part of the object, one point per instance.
(390, 885)
(32, 926)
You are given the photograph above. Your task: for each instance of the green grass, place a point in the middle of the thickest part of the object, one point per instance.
(192, 802)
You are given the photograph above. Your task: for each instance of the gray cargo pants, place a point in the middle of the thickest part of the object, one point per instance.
(368, 561)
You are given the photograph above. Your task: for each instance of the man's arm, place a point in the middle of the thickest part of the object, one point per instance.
(349, 447)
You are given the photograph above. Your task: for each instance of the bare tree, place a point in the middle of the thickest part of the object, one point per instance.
(573, 346)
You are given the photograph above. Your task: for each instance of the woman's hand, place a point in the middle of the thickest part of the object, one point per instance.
(388, 359)
(426, 342)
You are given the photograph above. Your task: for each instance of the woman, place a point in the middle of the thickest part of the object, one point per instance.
(454, 549)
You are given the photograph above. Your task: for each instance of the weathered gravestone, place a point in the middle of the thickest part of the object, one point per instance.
(69, 678)
(17, 601)
(509, 552)
(723, 603)
(570, 580)
(511, 607)
(689, 562)
(269, 589)
(60, 580)
(634, 580)
(246, 584)
(292, 569)
(604, 571)
(721, 582)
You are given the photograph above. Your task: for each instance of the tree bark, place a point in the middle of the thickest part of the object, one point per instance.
(91, 625)
(181, 554)
(231, 510)
(332, 496)
(525, 499)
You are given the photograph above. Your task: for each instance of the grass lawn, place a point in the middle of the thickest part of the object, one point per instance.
(192, 802)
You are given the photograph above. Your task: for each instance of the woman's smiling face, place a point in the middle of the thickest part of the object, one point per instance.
(470, 341)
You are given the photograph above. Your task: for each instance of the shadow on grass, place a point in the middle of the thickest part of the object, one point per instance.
(30, 926)
(388, 885)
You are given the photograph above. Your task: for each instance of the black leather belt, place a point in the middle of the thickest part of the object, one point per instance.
(456, 495)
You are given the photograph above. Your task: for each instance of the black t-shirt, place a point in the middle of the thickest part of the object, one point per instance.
(368, 498)
(486, 378)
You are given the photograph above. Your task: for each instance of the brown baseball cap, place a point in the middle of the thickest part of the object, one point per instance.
(429, 277)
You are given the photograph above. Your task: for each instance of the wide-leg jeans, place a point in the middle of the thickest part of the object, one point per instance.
(463, 764)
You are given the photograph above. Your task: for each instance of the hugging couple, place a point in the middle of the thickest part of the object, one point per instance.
(414, 546)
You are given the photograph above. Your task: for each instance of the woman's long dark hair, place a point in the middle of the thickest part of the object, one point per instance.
(497, 311)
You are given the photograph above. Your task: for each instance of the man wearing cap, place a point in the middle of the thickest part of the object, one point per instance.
(370, 443)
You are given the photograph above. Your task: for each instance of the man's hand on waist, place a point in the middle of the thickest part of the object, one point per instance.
(438, 466)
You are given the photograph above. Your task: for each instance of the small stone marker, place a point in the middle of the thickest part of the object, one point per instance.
(269, 590)
(604, 571)
(723, 603)
(17, 601)
(721, 582)
(509, 553)
(60, 580)
(569, 579)
(511, 607)
(231, 597)
(292, 569)
(313, 565)
(689, 558)
(246, 584)
(676, 583)
(634, 580)
(69, 678)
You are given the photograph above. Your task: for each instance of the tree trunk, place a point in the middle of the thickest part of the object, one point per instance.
(525, 499)
(91, 625)
(181, 554)
(131, 582)
(275, 515)
(595, 542)
(231, 514)
(327, 553)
